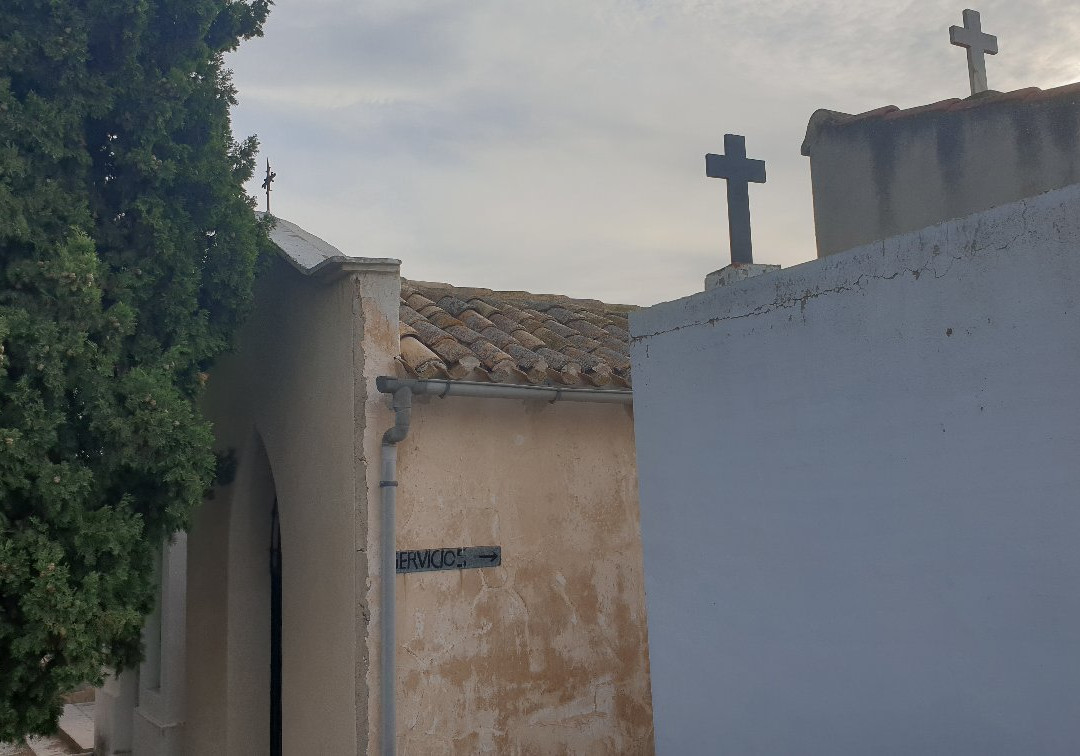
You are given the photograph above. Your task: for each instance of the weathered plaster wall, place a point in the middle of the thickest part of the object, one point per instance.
(295, 388)
(859, 489)
(885, 176)
(546, 654)
(376, 354)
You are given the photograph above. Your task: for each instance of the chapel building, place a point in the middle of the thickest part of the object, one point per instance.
(268, 636)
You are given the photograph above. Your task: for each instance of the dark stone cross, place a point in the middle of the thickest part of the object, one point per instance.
(270, 176)
(739, 172)
(979, 44)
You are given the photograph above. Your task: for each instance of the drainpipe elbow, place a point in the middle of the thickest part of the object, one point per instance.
(402, 405)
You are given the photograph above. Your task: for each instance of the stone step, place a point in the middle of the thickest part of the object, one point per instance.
(77, 726)
(51, 745)
(15, 749)
(76, 736)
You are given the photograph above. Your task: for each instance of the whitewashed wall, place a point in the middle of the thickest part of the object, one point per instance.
(860, 497)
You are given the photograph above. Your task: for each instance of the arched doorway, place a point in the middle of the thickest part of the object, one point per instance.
(255, 684)
(275, 632)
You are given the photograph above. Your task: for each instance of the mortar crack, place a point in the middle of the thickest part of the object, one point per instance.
(787, 302)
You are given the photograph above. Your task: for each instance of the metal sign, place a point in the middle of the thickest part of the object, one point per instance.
(453, 558)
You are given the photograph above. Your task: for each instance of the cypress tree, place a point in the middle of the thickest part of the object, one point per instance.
(128, 251)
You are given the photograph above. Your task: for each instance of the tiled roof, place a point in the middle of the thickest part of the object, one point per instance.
(830, 118)
(512, 336)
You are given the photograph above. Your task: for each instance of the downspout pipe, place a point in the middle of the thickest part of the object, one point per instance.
(403, 390)
(402, 406)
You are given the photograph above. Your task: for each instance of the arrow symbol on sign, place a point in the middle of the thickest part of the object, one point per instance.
(490, 557)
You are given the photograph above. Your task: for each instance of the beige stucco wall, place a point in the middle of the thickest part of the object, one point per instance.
(546, 654)
(884, 176)
(298, 389)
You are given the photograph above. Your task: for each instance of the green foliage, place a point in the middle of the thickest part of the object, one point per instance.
(127, 257)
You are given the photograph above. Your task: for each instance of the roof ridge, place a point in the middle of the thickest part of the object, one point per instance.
(516, 294)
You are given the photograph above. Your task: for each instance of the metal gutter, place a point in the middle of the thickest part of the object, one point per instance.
(439, 387)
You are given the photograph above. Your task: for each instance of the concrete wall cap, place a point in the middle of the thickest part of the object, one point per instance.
(313, 256)
(823, 117)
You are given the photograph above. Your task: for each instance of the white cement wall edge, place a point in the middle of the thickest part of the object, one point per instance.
(929, 251)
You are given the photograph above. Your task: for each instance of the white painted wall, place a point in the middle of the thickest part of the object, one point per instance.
(860, 497)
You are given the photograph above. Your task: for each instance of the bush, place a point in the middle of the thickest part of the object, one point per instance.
(127, 257)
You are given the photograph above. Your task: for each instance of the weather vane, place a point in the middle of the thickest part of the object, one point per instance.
(270, 176)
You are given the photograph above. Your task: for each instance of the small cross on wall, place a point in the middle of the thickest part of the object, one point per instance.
(979, 44)
(739, 171)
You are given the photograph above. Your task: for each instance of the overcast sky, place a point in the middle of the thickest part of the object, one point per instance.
(558, 146)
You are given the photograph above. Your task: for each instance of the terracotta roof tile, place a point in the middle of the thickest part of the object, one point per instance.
(618, 361)
(618, 334)
(409, 315)
(512, 336)
(586, 328)
(616, 346)
(453, 305)
(498, 337)
(527, 340)
(475, 320)
(441, 318)
(420, 360)
(919, 109)
(583, 342)
(824, 118)
(552, 339)
(503, 323)
(560, 329)
(482, 307)
(490, 355)
(464, 334)
(418, 302)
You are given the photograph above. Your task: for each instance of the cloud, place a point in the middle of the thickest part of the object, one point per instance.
(559, 145)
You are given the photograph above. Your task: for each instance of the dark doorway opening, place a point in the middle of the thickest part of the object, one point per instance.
(275, 633)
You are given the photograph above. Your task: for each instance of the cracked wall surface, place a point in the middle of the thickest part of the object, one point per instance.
(858, 488)
(546, 654)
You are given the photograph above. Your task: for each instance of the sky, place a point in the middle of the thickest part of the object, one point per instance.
(557, 146)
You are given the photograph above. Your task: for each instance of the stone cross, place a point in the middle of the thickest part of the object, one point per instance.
(977, 42)
(270, 176)
(739, 171)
